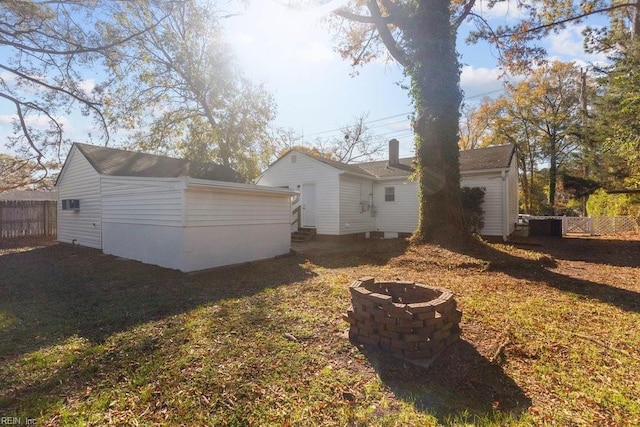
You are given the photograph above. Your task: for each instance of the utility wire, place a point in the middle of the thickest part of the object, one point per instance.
(396, 116)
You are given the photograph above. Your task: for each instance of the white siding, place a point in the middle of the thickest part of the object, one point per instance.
(150, 201)
(213, 246)
(222, 208)
(80, 180)
(355, 215)
(306, 170)
(153, 244)
(225, 227)
(401, 215)
(512, 188)
(493, 200)
(142, 219)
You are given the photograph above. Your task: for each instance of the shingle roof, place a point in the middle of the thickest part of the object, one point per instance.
(382, 169)
(496, 157)
(116, 162)
(350, 167)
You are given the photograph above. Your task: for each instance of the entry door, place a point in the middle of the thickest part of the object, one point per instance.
(309, 205)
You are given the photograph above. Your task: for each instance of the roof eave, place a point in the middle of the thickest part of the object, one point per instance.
(237, 187)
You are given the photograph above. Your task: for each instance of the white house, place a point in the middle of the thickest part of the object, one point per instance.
(377, 198)
(169, 212)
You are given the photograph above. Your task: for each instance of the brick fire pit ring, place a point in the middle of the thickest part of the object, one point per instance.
(411, 320)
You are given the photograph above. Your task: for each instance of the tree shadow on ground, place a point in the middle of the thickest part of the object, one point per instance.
(52, 293)
(352, 254)
(541, 270)
(610, 251)
(460, 386)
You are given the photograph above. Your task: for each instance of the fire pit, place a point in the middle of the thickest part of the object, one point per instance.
(411, 320)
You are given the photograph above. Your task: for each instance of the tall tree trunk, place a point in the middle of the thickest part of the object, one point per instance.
(553, 176)
(435, 75)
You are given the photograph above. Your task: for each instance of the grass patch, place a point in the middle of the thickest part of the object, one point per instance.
(549, 336)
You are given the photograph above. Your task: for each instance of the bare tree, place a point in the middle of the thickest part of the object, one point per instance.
(50, 48)
(355, 144)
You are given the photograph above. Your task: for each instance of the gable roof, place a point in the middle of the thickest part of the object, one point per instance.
(495, 157)
(117, 162)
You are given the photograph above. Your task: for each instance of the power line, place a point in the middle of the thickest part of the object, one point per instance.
(396, 116)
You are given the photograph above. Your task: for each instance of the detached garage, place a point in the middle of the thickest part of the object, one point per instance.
(169, 212)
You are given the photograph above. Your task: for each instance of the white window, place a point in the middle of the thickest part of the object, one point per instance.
(389, 194)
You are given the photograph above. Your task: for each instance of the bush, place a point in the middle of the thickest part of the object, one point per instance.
(472, 199)
(602, 204)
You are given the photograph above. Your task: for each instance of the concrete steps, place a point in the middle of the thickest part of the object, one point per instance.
(303, 235)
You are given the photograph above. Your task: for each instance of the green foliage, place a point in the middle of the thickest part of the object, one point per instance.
(602, 204)
(472, 199)
(617, 115)
(181, 93)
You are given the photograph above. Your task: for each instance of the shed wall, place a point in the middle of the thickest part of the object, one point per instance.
(161, 245)
(150, 201)
(80, 181)
(142, 219)
(226, 227)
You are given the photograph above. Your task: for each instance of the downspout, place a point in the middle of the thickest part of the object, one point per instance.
(505, 204)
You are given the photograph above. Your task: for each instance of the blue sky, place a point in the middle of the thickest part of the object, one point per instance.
(291, 52)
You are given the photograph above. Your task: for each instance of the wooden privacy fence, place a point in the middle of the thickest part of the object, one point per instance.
(27, 218)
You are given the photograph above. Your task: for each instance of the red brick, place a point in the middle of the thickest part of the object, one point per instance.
(369, 340)
(420, 307)
(411, 323)
(426, 345)
(385, 342)
(401, 329)
(435, 321)
(402, 345)
(366, 280)
(389, 334)
(414, 338)
(439, 335)
(358, 291)
(381, 298)
(426, 331)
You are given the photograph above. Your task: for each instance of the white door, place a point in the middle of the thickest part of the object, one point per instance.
(309, 205)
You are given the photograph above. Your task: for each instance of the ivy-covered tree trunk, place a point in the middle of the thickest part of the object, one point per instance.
(435, 75)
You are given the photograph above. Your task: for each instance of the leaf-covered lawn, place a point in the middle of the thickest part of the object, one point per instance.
(550, 335)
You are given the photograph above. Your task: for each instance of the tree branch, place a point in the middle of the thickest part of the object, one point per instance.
(385, 34)
(25, 131)
(564, 21)
(466, 11)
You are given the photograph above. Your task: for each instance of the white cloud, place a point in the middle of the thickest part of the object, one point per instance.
(505, 11)
(477, 82)
(316, 53)
(567, 45)
(87, 85)
(7, 119)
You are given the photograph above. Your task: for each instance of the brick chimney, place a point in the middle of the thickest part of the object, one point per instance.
(394, 152)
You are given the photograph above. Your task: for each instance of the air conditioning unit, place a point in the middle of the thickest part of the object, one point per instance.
(70, 204)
